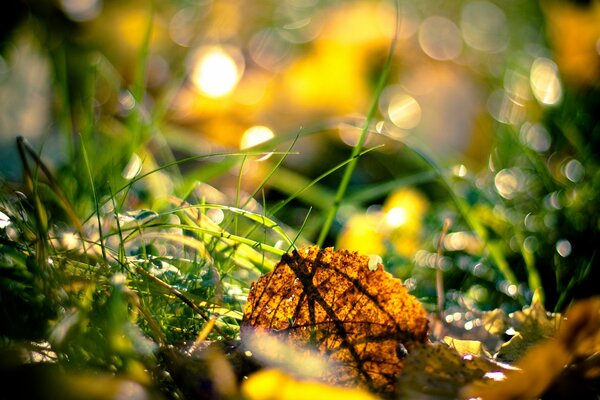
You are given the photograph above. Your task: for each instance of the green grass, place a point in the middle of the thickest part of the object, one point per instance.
(109, 270)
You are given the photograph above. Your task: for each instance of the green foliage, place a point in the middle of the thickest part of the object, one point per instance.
(123, 253)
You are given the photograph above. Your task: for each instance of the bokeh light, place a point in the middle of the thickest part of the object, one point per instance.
(440, 38)
(536, 137)
(483, 26)
(545, 82)
(4, 220)
(504, 108)
(508, 182)
(573, 170)
(396, 217)
(216, 70)
(81, 10)
(404, 111)
(254, 136)
(563, 247)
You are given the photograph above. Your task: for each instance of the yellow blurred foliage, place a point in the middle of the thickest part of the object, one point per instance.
(400, 222)
(574, 31)
(361, 234)
(413, 203)
(333, 77)
(271, 384)
(329, 79)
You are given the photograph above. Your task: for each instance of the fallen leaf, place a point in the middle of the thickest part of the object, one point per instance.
(533, 325)
(550, 364)
(364, 320)
(439, 372)
(464, 347)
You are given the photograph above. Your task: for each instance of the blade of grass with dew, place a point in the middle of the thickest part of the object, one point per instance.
(139, 84)
(24, 150)
(341, 192)
(258, 218)
(94, 196)
(128, 185)
(261, 185)
(177, 294)
(533, 277)
(238, 190)
(228, 238)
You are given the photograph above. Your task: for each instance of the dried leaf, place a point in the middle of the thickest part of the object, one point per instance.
(439, 372)
(532, 325)
(363, 319)
(543, 366)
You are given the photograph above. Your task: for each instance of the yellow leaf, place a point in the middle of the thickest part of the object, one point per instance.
(271, 384)
(464, 347)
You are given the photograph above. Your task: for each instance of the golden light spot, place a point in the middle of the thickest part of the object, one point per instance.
(460, 170)
(70, 241)
(404, 111)
(396, 217)
(216, 71)
(406, 205)
(361, 233)
(544, 80)
(254, 136)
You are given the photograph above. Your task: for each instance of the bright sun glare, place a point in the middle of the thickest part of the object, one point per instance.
(215, 73)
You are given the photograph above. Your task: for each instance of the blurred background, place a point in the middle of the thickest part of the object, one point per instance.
(488, 120)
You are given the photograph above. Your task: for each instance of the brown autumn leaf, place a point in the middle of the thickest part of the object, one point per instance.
(363, 320)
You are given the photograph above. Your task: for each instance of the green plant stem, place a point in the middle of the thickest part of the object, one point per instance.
(339, 196)
(94, 196)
